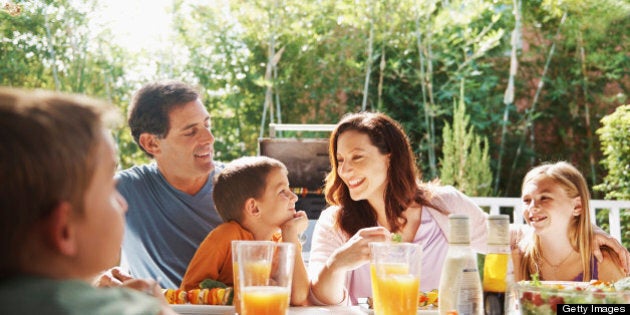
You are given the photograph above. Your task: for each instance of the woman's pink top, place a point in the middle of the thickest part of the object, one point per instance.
(327, 237)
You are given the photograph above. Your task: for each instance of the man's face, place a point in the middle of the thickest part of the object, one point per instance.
(187, 150)
(100, 230)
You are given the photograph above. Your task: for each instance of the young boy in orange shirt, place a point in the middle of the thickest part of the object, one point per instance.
(253, 197)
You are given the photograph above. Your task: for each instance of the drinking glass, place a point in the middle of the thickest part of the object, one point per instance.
(237, 298)
(395, 270)
(265, 273)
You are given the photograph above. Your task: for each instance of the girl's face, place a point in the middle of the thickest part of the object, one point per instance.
(277, 204)
(361, 166)
(547, 207)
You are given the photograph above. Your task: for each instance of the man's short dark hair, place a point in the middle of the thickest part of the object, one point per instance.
(152, 104)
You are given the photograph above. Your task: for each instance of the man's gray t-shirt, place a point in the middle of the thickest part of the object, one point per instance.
(164, 225)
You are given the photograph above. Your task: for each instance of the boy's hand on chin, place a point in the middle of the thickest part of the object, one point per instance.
(294, 226)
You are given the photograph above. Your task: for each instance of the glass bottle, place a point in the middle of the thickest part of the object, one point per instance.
(460, 284)
(498, 273)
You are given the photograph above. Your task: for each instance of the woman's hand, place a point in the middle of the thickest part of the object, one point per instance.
(604, 239)
(356, 251)
(328, 286)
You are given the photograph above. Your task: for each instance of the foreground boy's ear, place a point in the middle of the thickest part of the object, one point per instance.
(149, 142)
(251, 209)
(60, 230)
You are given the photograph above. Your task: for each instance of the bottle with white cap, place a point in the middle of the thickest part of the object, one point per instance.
(460, 285)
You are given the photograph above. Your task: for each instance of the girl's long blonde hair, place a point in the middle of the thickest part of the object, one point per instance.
(580, 230)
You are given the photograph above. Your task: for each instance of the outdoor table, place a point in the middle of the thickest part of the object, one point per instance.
(294, 310)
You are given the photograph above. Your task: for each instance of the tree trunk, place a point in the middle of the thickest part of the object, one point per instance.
(541, 84)
(368, 67)
(587, 113)
(272, 60)
(424, 48)
(508, 98)
(529, 123)
(51, 50)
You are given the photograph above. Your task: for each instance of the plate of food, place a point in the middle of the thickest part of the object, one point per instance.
(212, 297)
(194, 309)
(368, 310)
(427, 303)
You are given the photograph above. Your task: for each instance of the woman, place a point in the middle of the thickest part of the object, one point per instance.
(556, 206)
(374, 191)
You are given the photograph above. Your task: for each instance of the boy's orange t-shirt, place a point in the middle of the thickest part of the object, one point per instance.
(213, 258)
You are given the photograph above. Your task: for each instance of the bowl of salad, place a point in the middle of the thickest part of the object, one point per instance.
(544, 297)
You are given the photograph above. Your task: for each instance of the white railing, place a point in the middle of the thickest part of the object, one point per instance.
(614, 206)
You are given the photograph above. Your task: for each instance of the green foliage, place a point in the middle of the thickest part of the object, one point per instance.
(50, 45)
(614, 136)
(128, 151)
(601, 219)
(615, 144)
(465, 163)
(422, 49)
(584, 82)
(220, 62)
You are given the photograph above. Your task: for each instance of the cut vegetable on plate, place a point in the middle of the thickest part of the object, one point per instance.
(428, 298)
(396, 238)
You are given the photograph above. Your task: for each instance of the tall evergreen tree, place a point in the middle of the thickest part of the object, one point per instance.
(465, 164)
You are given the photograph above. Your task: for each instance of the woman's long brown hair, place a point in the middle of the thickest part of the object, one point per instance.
(403, 187)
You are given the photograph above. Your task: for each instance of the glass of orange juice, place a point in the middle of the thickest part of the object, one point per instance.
(235, 277)
(395, 270)
(265, 273)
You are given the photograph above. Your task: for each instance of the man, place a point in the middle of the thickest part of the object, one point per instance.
(61, 217)
(170, 201)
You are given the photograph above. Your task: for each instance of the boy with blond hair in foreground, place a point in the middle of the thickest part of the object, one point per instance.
(253, 197)
(61, 215)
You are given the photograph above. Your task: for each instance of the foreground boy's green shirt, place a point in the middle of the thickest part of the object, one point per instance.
(34, 295)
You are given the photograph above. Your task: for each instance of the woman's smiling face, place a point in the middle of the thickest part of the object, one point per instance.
(361, 166)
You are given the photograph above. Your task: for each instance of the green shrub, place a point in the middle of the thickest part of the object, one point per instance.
(614, 136)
